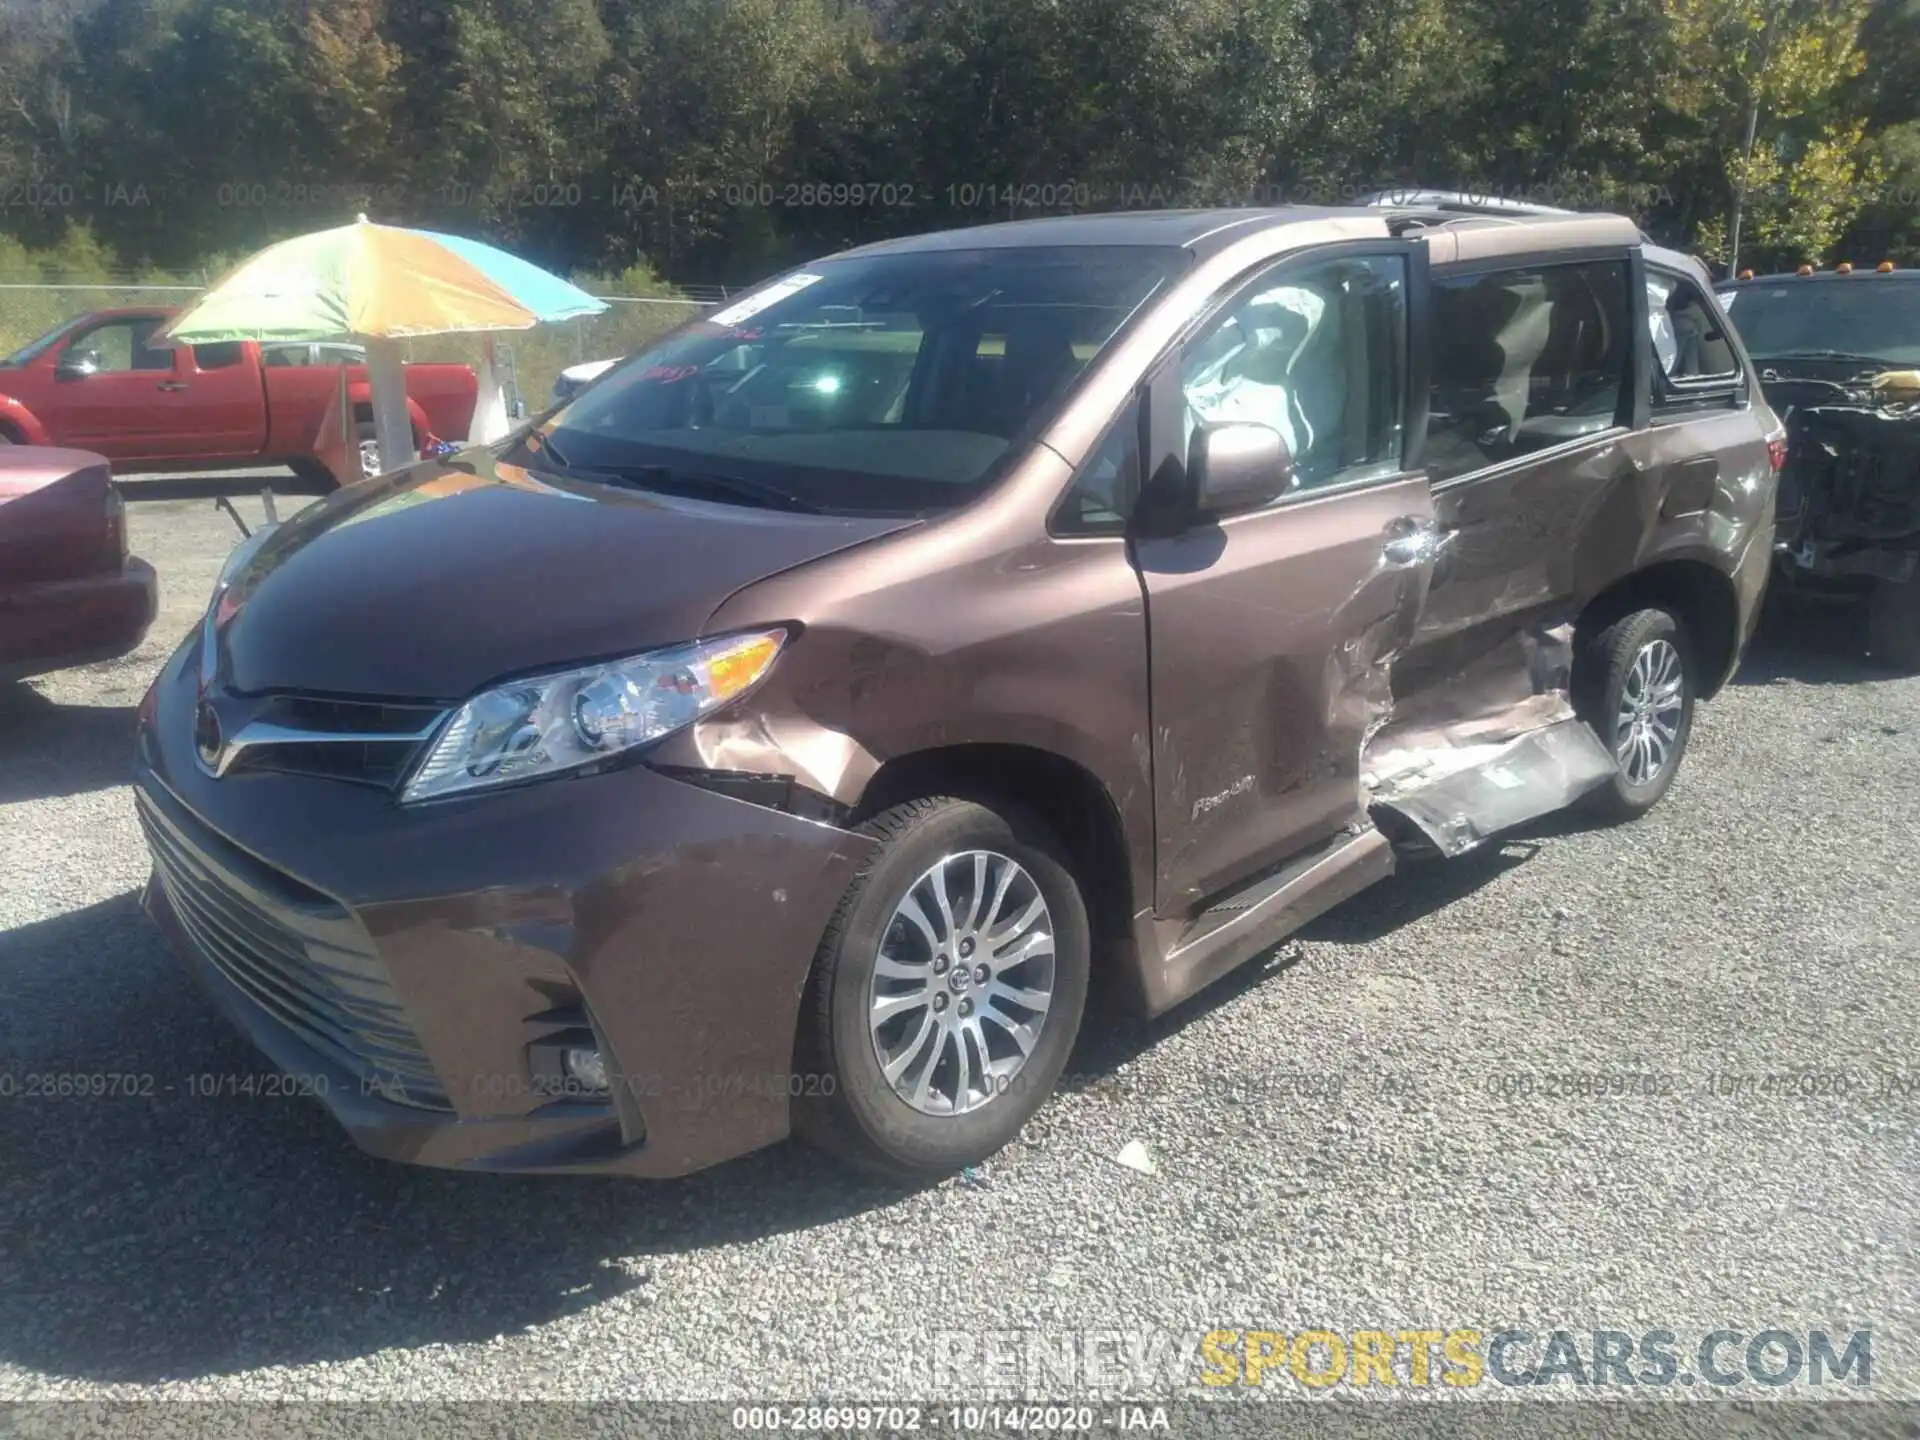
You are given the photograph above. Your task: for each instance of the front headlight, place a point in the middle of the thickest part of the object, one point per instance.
(550, 724)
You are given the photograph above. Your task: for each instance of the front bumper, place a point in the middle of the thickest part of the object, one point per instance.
(410, 962)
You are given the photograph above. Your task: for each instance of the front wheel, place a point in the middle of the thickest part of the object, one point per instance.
(947, 992)
(1637, 693)
(1893, 624)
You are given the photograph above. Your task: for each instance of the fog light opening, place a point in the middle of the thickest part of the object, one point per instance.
(586, 1066)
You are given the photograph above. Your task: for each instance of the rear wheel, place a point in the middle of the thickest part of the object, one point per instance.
(1637, 693)
(1893, 623)
(369, 451)
(947, 992)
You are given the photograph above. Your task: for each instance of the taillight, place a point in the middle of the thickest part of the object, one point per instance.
(115, 538)
(1777, 452)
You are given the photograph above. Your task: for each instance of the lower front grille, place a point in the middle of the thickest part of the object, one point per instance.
(295, 953)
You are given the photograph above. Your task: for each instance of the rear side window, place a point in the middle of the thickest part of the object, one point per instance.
(1694, 361)
(217, 356)
(1526, 359)
(279, 356)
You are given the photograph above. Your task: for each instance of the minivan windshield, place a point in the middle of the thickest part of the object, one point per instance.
(1862, 318)
(888, 384)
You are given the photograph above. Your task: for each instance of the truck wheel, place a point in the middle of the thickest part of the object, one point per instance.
(1893, 624)
(370, 448)
(946, 993)
(1635, 686)
(369, 451)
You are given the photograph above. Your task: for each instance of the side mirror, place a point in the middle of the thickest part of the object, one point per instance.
(77, 365)
(1237, 466)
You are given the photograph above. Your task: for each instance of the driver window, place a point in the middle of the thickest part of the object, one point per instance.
(1318, 354)
(121, 345)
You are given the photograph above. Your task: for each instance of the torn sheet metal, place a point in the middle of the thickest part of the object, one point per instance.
(1511, 689)
(823, 759)
(1493, 746)
(1493, 787)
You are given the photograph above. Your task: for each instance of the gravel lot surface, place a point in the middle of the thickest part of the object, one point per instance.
(1329, 1146)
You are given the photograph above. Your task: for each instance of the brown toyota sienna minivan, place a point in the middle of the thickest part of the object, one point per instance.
(781, 733)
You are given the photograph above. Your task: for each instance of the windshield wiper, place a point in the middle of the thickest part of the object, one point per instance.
(666, 478)
(540, 447)
(737, 487)
(694, 483)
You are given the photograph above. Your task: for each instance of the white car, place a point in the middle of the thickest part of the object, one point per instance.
(575, 377)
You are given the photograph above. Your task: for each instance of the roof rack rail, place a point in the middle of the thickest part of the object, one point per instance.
(1457, 203)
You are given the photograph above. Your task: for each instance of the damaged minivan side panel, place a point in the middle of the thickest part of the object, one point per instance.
(1565, 498)
(1249, 712)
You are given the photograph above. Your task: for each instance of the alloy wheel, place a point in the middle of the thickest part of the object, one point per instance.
(962, 982)
(1652, 704)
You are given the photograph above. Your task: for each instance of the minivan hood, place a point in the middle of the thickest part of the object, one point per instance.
(433, 581)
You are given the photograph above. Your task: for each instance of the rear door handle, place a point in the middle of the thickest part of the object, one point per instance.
(171, 385)
(1418, 543)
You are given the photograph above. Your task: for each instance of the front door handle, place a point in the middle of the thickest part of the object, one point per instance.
(171, 385)
(1419, 542)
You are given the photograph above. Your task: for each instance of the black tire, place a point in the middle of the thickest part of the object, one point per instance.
(1605, 670)
(1893, 624)
(863, 1119)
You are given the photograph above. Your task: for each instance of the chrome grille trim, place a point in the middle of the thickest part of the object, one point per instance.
(362, 741)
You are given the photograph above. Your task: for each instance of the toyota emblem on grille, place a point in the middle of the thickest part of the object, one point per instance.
(207, 737)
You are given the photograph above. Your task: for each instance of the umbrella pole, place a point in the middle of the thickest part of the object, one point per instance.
(386, 378)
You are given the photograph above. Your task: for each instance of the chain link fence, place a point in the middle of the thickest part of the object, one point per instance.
(31, 306)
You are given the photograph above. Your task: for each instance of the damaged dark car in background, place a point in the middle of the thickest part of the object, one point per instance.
(1839, 358)
(782, 734)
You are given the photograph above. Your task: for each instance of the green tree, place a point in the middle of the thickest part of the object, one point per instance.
(1763, 84)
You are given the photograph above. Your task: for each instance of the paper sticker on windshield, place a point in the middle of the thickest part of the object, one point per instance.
(772, 295)
(1727, 297)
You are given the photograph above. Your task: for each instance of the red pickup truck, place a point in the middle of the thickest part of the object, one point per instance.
(98, 383)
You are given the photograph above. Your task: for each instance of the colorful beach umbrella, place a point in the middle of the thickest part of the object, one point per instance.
(380, 281)
(378, 284)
